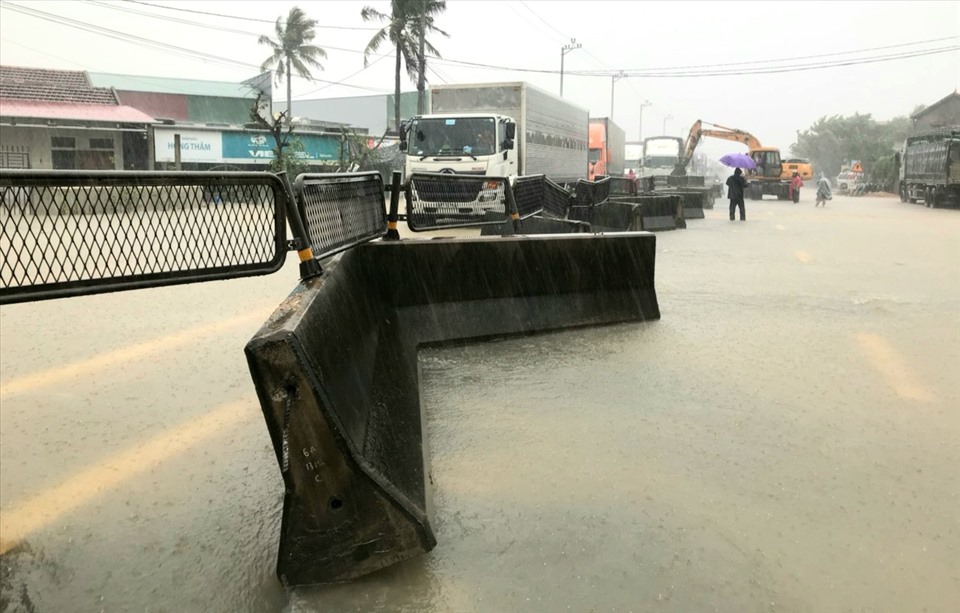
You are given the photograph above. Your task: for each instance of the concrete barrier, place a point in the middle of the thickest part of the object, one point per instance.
(537, 225)
(694, 200)
(685, 181)
(335, 369)
(658, 212)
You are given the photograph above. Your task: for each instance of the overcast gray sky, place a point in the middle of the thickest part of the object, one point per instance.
(630, 36)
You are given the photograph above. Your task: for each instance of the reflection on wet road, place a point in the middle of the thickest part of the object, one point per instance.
(785, 438)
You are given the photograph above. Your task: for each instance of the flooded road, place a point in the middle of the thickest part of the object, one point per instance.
(786, 438)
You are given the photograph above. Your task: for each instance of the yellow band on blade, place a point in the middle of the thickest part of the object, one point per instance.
(391, 225)
(305, 254)
(514, 215)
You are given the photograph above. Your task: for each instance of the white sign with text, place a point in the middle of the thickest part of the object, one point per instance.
(195, 145)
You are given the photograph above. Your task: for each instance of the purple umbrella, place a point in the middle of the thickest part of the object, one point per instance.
(738, 160)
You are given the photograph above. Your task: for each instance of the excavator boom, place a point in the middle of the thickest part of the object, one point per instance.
(697, 133)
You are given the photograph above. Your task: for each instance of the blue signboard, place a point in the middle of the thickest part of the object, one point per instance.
(258, 147)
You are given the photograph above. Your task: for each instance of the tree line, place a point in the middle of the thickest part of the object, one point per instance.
(832, 143)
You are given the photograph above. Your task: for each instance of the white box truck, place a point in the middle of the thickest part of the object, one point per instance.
(498, 129)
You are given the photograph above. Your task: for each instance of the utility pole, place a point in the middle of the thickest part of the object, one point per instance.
(564, 51)
(613, 81)
(421, 85)
(665, 123)
(643, 105)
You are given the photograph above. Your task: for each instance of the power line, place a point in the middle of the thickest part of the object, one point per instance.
(270, 21)
(803, 57)
(801, 67)
(126, 37)
(153, 44)
(651, 73)
(341, 81)
(678, 72)
(537, 15)
(188, 22)
(535, 27)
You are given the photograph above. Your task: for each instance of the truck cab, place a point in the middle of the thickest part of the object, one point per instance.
(661, 154)
(467, 143)
(597, 151)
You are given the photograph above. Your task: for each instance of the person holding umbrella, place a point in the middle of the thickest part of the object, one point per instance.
(736, 186)
(737, 183)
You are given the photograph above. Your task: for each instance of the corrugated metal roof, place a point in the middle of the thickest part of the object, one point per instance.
(67, 110)
(164, 85)
(51, 85)
(936, 104)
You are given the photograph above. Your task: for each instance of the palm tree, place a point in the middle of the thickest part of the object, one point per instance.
(407, 19)
(292, 51)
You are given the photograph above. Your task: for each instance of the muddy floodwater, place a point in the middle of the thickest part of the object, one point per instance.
(785, 438)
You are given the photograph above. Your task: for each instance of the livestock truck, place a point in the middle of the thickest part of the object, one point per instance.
(607, 144)
(498, 129)
(930, 167)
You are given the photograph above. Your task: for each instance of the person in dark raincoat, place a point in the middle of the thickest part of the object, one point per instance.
(736, 186)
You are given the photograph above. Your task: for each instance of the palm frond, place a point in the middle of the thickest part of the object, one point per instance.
(302, 69)
(369, 14)
(310, 52)
(374, 44)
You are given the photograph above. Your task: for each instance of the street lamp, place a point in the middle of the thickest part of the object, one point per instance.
(643, 105)
(564, 51)
(613, 81)
(665, 123)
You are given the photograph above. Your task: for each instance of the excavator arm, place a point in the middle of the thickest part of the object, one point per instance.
(697, 133)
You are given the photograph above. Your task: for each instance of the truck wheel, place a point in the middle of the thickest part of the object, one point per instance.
(926, 197)
(934, 198)
(903, 194)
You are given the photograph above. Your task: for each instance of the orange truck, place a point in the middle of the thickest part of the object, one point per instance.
(607, 144)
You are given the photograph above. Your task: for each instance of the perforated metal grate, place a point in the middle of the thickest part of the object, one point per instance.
(66, 233)
(448, 201)
(341, 210)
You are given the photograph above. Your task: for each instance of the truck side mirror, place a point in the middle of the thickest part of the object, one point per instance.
(404, 129)
(508, 143)
(511, 132)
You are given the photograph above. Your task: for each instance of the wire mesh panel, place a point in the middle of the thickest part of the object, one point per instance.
(556, 200)
(67, 233)
(528, 192)
(592, 192)
(342, 210)
(451, 201)
(622, 186)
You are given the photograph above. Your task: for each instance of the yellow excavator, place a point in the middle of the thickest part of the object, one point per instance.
(772, 176)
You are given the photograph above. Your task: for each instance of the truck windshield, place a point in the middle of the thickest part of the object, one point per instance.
(594, 156)
(453, 136)
(660, 161)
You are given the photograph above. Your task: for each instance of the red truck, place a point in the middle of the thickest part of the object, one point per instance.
(606, 142)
